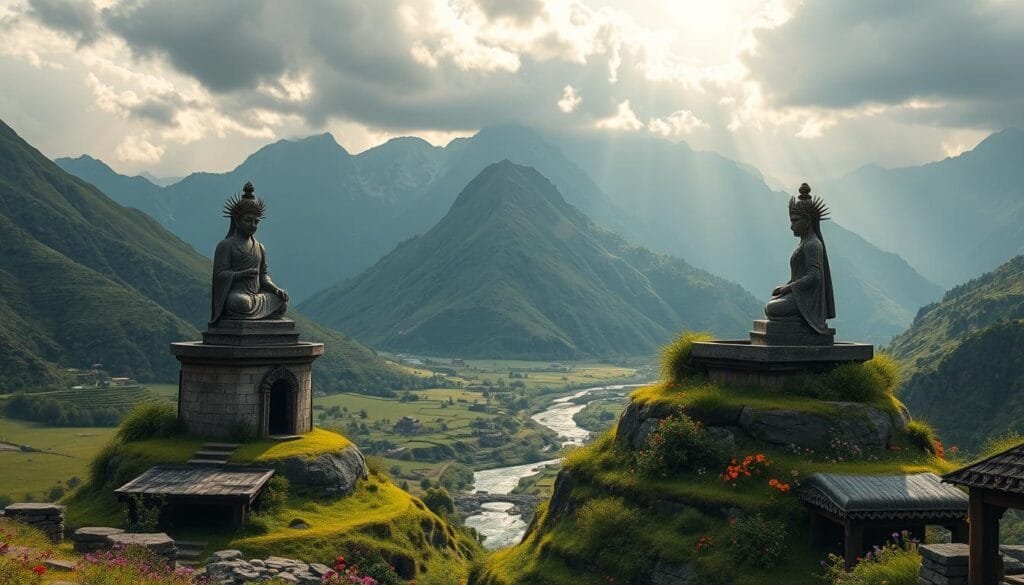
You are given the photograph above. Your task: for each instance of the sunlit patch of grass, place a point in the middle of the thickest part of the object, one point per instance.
(314, 443)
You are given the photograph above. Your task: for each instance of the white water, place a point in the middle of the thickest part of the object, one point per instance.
(493, 521)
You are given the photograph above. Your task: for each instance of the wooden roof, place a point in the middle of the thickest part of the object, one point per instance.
(920, 495)
(1002, 472)
(241, 483)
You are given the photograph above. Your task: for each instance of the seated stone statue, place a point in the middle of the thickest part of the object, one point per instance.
(242, 288)
(807, 298)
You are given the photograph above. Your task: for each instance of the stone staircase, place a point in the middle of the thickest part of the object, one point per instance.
(190, 552)
(213, 454)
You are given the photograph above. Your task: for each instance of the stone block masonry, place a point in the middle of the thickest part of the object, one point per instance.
(46, 517)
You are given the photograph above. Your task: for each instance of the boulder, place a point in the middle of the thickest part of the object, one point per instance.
(328, 473)
(854, 423)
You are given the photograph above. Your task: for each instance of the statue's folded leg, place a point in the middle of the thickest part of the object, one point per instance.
(782, 308)
(261, 305)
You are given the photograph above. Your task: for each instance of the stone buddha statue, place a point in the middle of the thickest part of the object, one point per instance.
(807, 298)
(242, 288)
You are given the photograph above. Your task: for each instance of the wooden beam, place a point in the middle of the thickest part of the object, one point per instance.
(984, 566)
(853, 541)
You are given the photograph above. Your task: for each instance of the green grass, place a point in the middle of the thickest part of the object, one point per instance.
(314, 443)
(34, 473)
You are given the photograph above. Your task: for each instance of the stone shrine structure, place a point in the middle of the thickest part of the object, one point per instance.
(794, 336)
(250, 373)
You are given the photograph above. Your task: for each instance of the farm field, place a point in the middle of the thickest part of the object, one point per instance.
(35, 473)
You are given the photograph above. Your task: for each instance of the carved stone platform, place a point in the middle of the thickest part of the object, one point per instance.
(741, 362)
(788, 333)
(247, 376)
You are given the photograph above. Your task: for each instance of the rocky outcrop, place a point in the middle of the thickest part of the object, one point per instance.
(328, 473)
(228, 567)
(865, 426)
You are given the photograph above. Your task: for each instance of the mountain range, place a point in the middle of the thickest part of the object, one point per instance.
(963, 358)
(514, 271)
(716, 213)
(84, 280)
(953, 219)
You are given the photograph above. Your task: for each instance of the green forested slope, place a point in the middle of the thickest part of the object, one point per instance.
(515, 271)
(963, 358)
(84, 280)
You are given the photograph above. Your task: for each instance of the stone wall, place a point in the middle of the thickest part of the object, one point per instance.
(48, 518)
(218, 399)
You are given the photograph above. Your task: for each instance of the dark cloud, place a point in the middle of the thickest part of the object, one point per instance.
(226, 45)
(76, 18)
(836, 53)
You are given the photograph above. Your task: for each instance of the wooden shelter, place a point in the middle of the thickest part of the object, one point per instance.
(198, 486)
(869, 508)
(995, 484)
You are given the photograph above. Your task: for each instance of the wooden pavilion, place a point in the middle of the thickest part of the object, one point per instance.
(864, 510)
(995, 484)
(198, 487)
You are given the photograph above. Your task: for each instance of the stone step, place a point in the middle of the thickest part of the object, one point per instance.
(204, 454)
(210, 462)
(189, 554)
(283, 438)
(200, 544)
(221, 446)
(59, 565)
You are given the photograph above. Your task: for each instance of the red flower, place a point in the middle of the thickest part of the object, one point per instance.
(38, 569)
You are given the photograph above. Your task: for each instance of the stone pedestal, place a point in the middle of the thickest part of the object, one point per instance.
(770, 366)
(788, 333)
(247, 376)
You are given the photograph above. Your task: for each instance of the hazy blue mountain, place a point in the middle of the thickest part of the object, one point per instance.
(721, 216)
(513, 270)
(137, 192)
(953, 219)
(84, 280)
(716, 213)
(964, 358)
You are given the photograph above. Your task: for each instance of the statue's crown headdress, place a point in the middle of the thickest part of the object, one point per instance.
(811, 207)
(237, 206)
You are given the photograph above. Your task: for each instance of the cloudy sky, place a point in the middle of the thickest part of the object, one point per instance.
(798, 89)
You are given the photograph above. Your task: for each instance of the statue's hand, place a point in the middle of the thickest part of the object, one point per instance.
(283, 294)
(781, 290)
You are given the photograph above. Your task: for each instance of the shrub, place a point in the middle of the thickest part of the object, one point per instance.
(855, 383)
(257, 524)
(676, 360)
(104, 463)
(148, 421)
(611, 533)
(679, 444)
(887, 370)
(274, 494)
(921, 435)
(893, 564)
(758, 542)
(439, 501)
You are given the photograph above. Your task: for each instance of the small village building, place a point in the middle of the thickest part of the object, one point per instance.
(995, 484)
(862, 511)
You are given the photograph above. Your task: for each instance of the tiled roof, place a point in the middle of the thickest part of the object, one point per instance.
(920, 495)
(187, 480)
(1002, 472)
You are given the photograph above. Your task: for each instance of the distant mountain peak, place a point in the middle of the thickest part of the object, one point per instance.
(506, 181)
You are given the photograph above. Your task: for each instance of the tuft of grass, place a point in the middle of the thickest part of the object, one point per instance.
(150, 420)
(921, 435)
(676, 356)
(1000, 443)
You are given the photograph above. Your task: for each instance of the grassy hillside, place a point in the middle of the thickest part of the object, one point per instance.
(625, 515)
(87, 281)
(514, 271)
(377, 521)
(962, 358)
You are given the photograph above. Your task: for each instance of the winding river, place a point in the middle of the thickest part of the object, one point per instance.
(494, 522)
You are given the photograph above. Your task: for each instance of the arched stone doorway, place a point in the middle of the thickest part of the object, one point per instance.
(279, 395)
